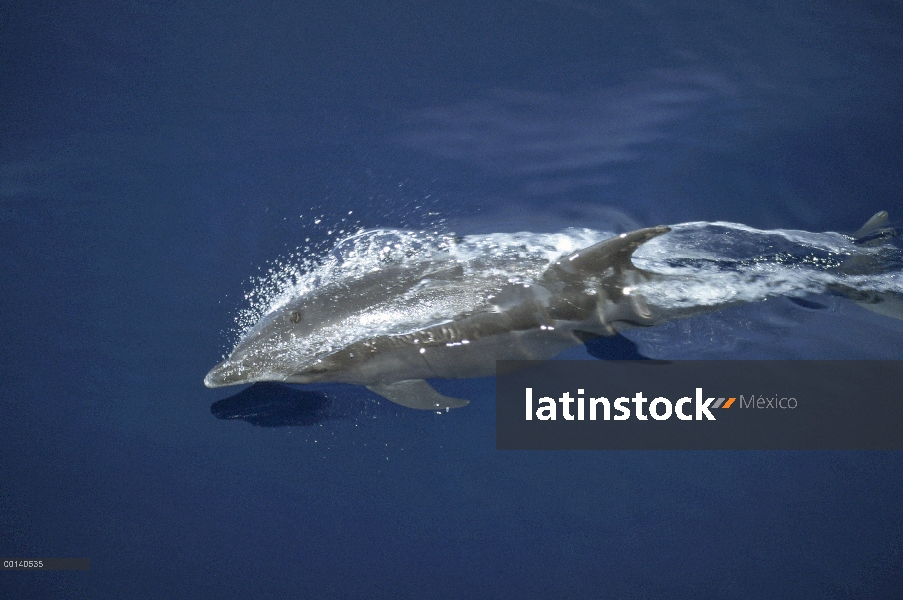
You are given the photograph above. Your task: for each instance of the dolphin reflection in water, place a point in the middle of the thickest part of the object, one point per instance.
(268, 404)
(388, 309)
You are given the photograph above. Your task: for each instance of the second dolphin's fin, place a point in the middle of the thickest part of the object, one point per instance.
(877, 222)
(416, 393)
(875, 231)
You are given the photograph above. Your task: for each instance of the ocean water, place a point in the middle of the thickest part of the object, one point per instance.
(169, 175)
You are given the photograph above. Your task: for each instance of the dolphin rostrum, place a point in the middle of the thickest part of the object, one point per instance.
(418, 313)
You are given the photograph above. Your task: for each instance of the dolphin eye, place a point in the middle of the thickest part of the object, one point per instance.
(295, 317)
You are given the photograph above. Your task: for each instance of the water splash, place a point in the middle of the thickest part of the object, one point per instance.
(481, 263)
(703, 265)
(710, 264)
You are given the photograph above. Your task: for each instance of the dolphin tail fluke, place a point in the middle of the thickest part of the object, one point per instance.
(416, 393)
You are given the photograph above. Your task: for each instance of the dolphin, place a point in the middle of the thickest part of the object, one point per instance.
(392, 327)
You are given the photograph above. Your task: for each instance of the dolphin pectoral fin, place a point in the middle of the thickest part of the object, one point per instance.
(416, 393)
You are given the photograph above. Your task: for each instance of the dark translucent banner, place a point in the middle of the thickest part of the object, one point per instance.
(699, 405)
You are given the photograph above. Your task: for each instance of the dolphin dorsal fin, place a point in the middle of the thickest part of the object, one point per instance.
(614, 252)
(416, 393)
(878, 221)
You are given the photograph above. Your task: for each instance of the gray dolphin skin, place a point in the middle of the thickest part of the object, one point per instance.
(587, 291)
(584, 294)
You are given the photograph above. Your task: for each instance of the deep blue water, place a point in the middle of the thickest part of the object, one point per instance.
(154, 159)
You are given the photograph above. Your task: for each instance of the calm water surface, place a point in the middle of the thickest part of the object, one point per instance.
(157, 161)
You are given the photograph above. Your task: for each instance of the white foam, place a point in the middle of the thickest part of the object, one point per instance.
(706, 263)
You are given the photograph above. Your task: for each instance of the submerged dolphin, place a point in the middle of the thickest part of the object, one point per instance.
(393, 325)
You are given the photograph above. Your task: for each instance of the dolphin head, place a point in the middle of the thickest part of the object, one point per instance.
(273, 350)
(251, 359)
(300, 341)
